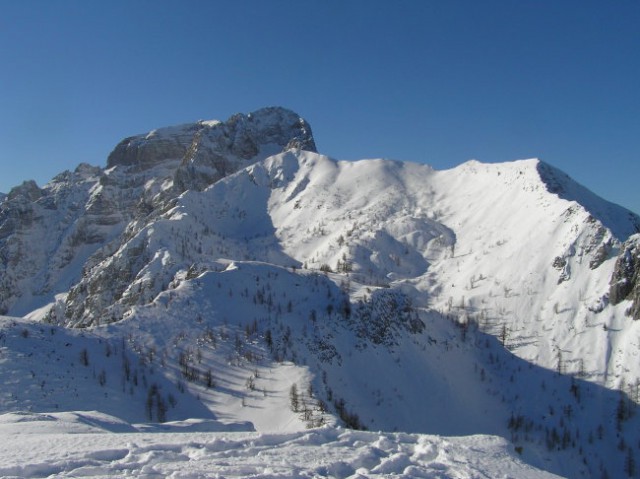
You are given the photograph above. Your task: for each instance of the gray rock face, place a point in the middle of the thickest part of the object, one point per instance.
(28, 190)
(210, 150)
(42, 232)
(144, 151)
(625, 281)
(219, 149)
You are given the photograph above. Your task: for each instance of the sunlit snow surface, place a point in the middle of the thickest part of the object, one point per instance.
(34, 446)
(497, 262)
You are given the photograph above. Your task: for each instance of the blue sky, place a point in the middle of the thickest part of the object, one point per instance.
(438, 82)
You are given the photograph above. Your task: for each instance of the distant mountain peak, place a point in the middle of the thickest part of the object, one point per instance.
(28, 190)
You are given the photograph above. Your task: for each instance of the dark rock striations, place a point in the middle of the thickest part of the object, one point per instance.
(625, 281)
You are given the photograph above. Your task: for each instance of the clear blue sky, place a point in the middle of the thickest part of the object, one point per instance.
(438, 82)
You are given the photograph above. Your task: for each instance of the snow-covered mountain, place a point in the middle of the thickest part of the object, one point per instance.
(228, 272)
(48, 235)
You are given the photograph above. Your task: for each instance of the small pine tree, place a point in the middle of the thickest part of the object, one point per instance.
(630, 463)
(84, 357)
(126, 366)
(622, 412)
(504, 334)
(208, 378)
(560, 364)
(294, 398)
(268, 338)
(149, 403)
(161, 408)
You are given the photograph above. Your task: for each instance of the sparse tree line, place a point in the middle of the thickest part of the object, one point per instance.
(134, 374)
(311, 410)
(280, 341)
(559, 428)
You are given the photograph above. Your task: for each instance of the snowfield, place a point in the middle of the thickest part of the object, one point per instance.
(222, 301)
(38, 445)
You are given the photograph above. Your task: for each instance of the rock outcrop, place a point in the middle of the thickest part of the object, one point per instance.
(625, 281)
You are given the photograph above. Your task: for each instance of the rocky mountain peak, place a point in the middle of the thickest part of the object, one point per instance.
(242, 136)
(28, 190)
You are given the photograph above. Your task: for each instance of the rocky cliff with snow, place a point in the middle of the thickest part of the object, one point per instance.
(219, 244)
(625, 281)
(51, 236)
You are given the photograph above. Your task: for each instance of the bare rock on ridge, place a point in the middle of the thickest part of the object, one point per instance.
(209, 150)
(625, 281)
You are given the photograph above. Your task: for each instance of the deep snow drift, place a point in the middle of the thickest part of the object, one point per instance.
(86, 451)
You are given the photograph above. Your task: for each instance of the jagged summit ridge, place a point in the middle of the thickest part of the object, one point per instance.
(49, 235)
(242, 136)
(559, 183)
(203, 152)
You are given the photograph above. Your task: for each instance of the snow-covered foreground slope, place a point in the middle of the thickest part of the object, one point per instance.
(45, 368)
(228, 345)
(36, 448)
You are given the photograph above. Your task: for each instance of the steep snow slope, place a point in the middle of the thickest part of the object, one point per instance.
(44, 368)
(489, 243)
(229, 338)
(537, 265)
